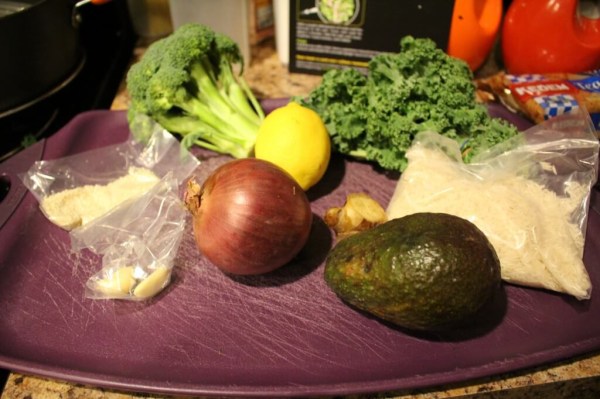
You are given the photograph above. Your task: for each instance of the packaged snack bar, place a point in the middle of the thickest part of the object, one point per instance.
(543, 96)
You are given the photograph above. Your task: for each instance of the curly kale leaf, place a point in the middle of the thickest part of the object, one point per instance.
(376, 117)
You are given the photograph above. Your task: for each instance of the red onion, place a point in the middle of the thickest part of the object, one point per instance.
(249, 216)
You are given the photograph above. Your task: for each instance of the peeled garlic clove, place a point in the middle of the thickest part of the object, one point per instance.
(152, 284)
(119, 282)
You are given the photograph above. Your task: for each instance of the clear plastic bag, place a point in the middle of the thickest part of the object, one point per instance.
(151, 160)
(138, 242)
(135, 225)
(529, 195)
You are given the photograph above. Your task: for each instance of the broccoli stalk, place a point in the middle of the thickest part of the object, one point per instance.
(188, 83)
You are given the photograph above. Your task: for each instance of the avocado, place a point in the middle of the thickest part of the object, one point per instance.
(425, 271)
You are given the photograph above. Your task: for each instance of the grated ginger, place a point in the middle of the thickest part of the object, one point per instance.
(78, 206)
(528, 225)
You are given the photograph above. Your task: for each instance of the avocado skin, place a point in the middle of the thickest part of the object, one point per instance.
(425, 271)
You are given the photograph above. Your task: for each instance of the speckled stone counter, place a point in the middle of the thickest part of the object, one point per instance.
(574, 379)
(577, 378)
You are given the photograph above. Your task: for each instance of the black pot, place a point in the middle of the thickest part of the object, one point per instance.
(40, 50)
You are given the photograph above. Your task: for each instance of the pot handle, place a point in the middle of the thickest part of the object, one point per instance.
(96, 2)
(76, 17)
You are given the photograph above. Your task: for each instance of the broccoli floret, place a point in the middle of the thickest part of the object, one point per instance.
(376, 117)
(191, 83)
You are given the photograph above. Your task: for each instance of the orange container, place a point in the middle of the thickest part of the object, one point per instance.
(474, 28)
(545, 36)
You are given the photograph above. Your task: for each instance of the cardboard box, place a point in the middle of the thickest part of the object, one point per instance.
(326, 34)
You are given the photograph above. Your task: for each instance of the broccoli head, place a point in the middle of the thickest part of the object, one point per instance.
(191, 83)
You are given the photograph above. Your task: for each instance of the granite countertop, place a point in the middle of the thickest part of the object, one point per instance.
(577, 378)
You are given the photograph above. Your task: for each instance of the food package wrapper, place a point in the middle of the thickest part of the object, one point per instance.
(529, 195)
(114, 201)
(542, 96)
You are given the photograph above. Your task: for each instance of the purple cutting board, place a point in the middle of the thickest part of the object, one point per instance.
(280, 334)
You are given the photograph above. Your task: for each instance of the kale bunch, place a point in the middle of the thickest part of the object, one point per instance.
(421, 88)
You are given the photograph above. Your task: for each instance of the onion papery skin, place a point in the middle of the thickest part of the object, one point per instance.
(249, 217)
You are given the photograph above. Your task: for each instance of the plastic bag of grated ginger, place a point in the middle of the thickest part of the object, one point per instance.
(530, 197)
(121, 202)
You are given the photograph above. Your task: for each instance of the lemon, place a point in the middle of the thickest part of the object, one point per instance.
(295, 138)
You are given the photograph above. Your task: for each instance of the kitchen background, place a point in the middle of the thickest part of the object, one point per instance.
(111, 35)
(56, 73)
